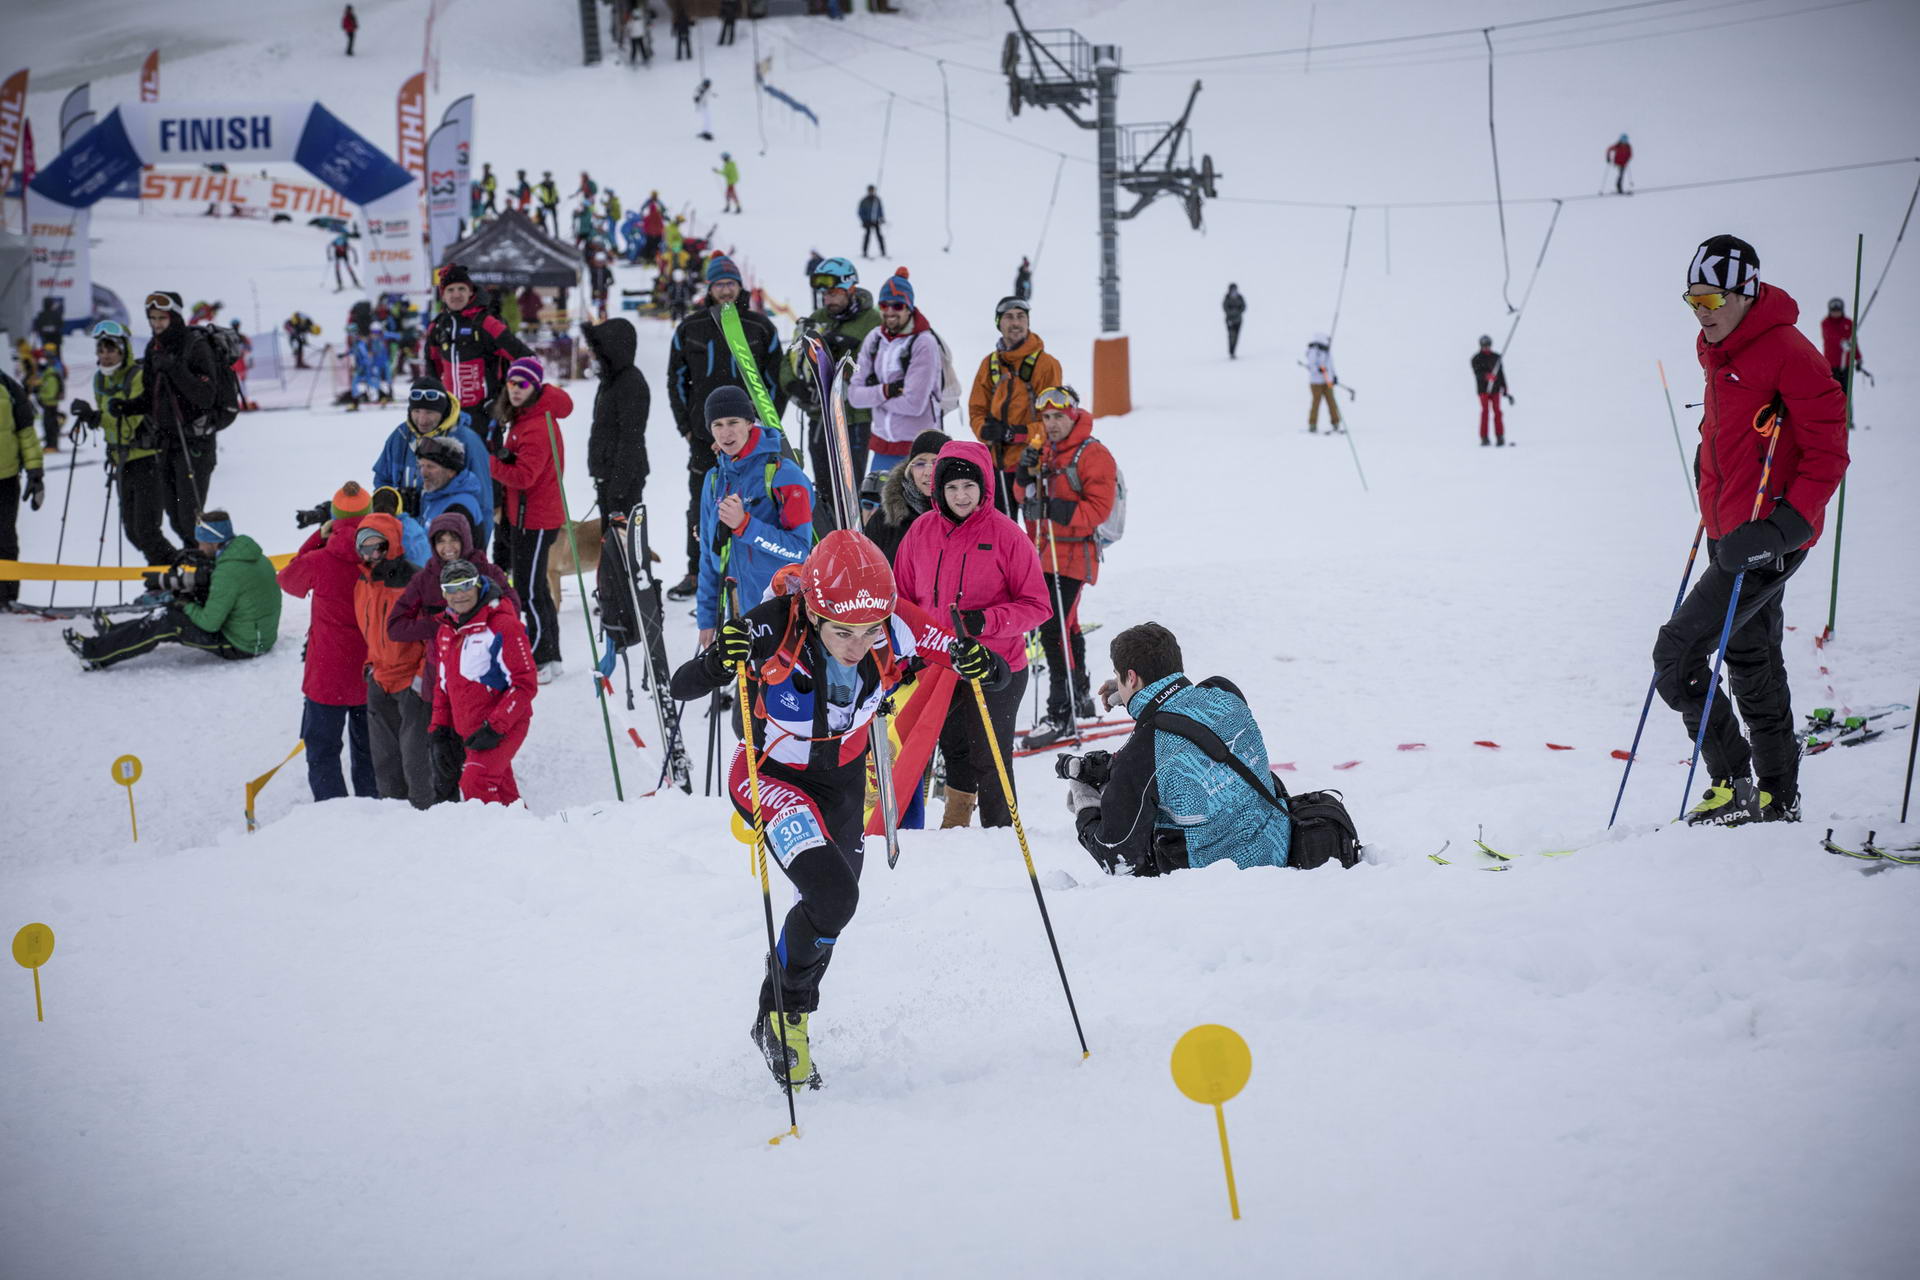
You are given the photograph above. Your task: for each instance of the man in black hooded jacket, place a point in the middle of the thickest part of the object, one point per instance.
(617, 448)
(177, 392)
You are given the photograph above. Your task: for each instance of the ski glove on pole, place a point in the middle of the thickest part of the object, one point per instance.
(731, 647)
(1761, 542)
(485, 738)
(973, 660)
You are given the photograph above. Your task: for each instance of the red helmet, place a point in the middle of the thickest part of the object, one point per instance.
(847, 579)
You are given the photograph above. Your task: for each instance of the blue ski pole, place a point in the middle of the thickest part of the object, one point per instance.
(1686, 575)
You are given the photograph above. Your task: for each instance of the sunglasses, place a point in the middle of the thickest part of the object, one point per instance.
(526, 383)
(1707, 301)
(895, 306)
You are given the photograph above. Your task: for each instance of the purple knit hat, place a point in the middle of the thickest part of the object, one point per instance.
(527, 368)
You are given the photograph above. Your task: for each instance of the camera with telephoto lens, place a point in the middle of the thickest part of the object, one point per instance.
(312, 516)
(1093, 768)
(189, 578)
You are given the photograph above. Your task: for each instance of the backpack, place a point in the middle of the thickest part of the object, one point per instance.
(946, 393)
(227, 349)
(1323, 831)
(1114, 527)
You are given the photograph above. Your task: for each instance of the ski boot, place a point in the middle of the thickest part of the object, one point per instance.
(78, 644)
(1728, 803)
(1083, 706)
(685, 589)
(1056, 727)
(793, 1065)
(1779, 800)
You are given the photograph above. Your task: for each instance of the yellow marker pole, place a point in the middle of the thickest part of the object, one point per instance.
(126, 772)
(254, 788)
(1211, 1064)
(33, 947)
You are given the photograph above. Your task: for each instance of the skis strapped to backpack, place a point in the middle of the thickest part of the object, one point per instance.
(833, 402)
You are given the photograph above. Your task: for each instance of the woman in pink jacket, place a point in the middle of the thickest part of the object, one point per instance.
(975, 558)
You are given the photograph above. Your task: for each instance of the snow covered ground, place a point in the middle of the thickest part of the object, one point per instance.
(488, 1043)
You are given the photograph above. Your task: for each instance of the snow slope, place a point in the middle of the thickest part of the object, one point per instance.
(492, 1043)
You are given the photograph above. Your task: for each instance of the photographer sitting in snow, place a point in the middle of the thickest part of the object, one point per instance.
(222, 600)
(1169, 798)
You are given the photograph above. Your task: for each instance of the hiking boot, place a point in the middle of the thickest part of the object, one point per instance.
(1727, 803)
(794, 1065)
(959, 810)
(1056, 727)
(685, 589)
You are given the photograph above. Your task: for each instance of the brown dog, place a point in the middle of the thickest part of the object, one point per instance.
(560, 561)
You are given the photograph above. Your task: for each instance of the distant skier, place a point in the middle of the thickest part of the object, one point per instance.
(1620, 155)
(489, 190)
(653, 227)
(1321, 380)
(1022, 280)
(50, 325)
(703, 103)
(341, 253)
(730, 173)
(1490, 381)
(729, 14)
(1836, 341)
(350, 23)
(682, 33)
(1235, 306)
(1761, 373)
(549, 193)
(522, 192)
(872, 215)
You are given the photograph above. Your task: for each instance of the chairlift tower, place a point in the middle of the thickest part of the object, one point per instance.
(1059, 68)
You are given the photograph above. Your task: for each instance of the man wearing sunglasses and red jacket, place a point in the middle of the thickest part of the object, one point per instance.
(1763, 376)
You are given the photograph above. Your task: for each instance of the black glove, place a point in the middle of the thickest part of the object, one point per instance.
(1030, 459)
(118, 407)
(36, 488)
(485, 738)
(973, 660)
(994, 431)
(1760, 542)
(443, 735)
(1509, 397)
(893, 389)
(1034, 508)
(1060, 510)
(83, 413)
(732, 645)
(972, 620)
(506, 455)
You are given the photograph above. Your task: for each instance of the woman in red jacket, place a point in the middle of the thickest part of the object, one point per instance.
(528, 469)
(326, 568)
(484, 696)
(1067, 490)
(977, 559)
(1763, 377)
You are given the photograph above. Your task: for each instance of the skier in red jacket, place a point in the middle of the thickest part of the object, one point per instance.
(528, 469)
(1620, 155)
(1837, 344)
(1763, 376)
(350, 23)
(327, 567)
(483, 695)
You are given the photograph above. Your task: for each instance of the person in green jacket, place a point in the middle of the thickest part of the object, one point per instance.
(48, 382)
(845, 317)
(237, 615)
(133, 465)
(729, 171)
(20, 472)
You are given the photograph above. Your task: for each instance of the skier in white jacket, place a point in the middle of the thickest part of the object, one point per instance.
(1321, 380)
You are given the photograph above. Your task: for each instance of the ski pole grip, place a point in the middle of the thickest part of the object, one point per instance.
(959, 623)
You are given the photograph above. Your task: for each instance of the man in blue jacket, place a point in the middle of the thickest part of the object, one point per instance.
(1165, 803)
(756, 508)
(431, 414)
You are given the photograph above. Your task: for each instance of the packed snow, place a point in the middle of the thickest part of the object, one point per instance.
(487, 1042)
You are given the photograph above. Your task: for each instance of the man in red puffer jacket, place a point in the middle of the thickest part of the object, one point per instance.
(326, 568)
(483, 695)
(1763, 376)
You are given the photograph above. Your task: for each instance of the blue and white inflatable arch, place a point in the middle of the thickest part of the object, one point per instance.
(176, 133)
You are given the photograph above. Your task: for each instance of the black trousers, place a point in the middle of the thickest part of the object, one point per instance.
(1059, 703)
(828, 880)
(50, 425)
(527, 551)
(682, 47)
(696, 481)
(9, 532)
(1233, 337)
(144, 635)
(186, 475)
(969, 757)
(872, 231)
(143, 504)
(1683, 666)
(1003, 493)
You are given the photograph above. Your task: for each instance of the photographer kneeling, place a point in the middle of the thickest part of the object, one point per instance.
(223, 601)
(1167, 799)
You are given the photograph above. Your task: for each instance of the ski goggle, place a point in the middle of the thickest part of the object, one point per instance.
(1005, 305)
(110, 331)
(161, 302)
(1060, 398)
(1707, 301)
(830, 282)
(460, 584)
(427, 396)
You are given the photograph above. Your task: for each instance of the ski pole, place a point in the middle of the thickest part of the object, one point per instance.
(573, 542)
(1913, 744)
(1060, 616)
(1019, 830)
(100, 556)
(1686, 473)
(774, 964)
(1840, 517)
(1726, 628)
(54, 586)
(1632, 752)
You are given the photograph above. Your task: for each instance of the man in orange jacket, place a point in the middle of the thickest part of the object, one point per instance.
(1067, 487)
(397, 714)
(1000, 410)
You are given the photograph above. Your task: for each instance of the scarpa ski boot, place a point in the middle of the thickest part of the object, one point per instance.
(1727, 803)
(1779, 800)
(794, 1065)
